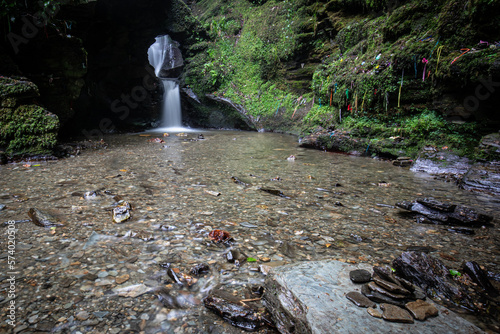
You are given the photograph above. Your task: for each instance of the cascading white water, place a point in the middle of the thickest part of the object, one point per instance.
(158, 54)
(171, 117)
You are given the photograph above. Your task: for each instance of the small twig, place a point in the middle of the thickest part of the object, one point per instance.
(249, 300)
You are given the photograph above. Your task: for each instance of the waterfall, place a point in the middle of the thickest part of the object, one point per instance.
(171, 116)
(162, 57)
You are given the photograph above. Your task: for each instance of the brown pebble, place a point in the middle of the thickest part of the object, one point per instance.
(395, 313)
(374, 312)
(122, 279)
(421, 310)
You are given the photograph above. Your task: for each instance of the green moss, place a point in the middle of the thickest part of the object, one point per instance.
(21, 87)
(406, 134)
(366, 59)
(29, 129)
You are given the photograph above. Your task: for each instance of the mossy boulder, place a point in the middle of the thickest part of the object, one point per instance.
(24, 128)
(27, 129)
(14, 89)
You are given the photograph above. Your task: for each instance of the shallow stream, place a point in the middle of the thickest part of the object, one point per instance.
(333, 206)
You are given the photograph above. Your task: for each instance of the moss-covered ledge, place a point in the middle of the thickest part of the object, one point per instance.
(25, 128)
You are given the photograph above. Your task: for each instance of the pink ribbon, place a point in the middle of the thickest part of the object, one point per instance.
(425, 61)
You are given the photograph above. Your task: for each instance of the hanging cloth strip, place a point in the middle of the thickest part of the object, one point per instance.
(439, 56)
(401, 86)
(425, 61)
(432, 51)
(363, 103)
(415, 64)
(465, 50)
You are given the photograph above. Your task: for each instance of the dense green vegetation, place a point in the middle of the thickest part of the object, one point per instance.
(24, 128)
(379, 63)
(28, 129)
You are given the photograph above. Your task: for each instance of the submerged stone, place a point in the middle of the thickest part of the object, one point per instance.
(43, 219)
(445, 213)
(240, 181)
(132, 291)
(233, 311)
(274, 192)
(200, 269)
(121, 213)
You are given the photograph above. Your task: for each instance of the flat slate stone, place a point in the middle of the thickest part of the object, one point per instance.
(396, 314)
(360, 276)
(422, 310)
(309, 297)
(359, 300)
(374, 312)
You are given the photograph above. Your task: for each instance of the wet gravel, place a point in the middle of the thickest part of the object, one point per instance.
(93, 275)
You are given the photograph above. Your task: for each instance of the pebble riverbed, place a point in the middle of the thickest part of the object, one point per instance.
(93, 275)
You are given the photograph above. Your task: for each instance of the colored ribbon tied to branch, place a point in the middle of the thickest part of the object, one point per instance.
(425, 61)
(464, 51)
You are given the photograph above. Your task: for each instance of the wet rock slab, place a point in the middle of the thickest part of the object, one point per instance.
(435, 212)
(234, 311)
(310, 297)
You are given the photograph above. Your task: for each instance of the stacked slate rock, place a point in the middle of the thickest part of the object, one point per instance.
(400, 300)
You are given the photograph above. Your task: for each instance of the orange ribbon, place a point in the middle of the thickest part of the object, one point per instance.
(465, 50)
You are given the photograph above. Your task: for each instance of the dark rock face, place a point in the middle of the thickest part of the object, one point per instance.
(90, 63)
(479, 277)
(447, 214)
(431, 275)
(233, 311)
